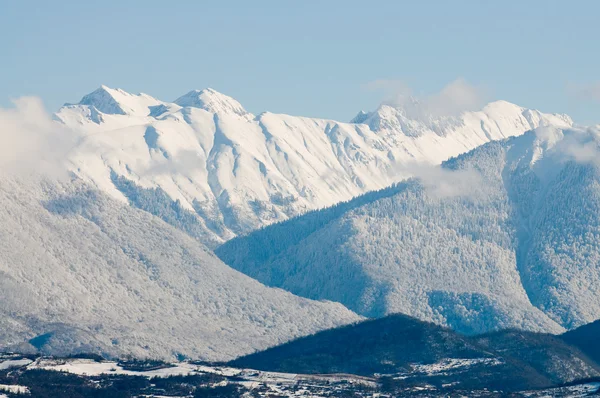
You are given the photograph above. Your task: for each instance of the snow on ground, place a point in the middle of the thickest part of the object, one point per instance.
(290, 384)
(16, 363)
(577, 391)
(453, 364)
(89, 367)
(13, 389)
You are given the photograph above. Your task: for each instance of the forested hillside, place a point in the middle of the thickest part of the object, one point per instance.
(409, 351)
(81, 272)
(507, 236)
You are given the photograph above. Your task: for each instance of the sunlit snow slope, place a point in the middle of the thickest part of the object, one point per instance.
(82, 272)
(504, 236)
(232, 172)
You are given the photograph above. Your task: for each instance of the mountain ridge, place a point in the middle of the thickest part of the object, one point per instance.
(406, 350)
(502, 237)
(236, 172)
(81, 272)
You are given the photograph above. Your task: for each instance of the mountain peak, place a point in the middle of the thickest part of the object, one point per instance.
(415, 117)
(360, 117)
(103, 99)
(212, 101)
(115, 101)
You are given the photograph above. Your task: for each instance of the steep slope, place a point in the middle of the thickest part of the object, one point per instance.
(82, 272)
(505, 236)
(232, 172)
(587, 339)
(549, 356)
(420, 352)
(387, 345)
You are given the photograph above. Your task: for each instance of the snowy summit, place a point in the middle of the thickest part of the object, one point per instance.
(235, 172)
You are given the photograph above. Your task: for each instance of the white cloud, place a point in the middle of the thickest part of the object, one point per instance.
(582, 146)
(549, 135)
(444, 183)
(455, 98)
(441, 182)
(578, 144)
(31, 142)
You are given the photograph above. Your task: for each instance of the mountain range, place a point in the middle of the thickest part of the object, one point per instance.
(504, 236)
(205, 164)
(394, 356)
(314, 223)
(82, 272)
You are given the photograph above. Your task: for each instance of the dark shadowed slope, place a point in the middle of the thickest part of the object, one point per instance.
(547, 355)
(419, 351)
(587, 339)
(386, 345)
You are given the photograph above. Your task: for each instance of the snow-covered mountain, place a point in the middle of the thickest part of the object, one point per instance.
(82, 272)
(506, 235)
(206, 165)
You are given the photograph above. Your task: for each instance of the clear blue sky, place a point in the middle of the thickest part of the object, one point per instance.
(309, 58)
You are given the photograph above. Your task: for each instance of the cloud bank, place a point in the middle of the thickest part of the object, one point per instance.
(455, 98)
(31, 142)
(580, 145)
(441, 182)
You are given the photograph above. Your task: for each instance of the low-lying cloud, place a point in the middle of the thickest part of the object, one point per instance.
(452, 100)
(441, 182)
(31, 142)
(445, 183)
(580, 145)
